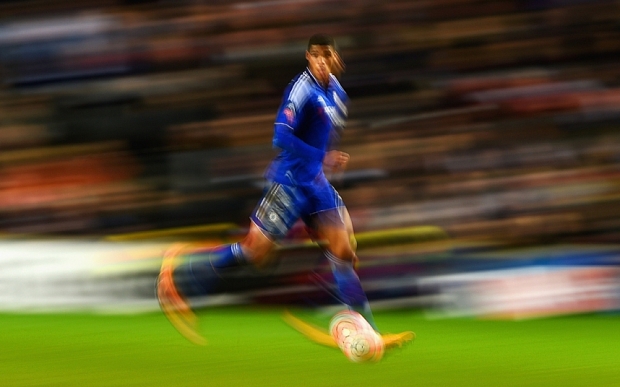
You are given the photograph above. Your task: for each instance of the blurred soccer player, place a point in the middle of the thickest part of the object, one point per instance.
(308, 123)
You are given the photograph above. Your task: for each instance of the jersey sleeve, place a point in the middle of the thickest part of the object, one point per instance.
(289, 116)
(284, 138)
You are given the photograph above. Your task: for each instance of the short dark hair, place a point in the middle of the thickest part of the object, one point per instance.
(321, 40)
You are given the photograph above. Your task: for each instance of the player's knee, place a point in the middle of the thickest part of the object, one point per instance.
(254, 254)
(343, 251)
(353, 243)
(256, 247)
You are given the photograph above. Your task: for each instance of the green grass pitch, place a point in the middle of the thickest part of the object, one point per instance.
(251, 346)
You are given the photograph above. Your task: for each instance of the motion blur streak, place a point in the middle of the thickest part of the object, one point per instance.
(496, 122)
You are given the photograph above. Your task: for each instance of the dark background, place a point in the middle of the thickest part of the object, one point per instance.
(495, 120)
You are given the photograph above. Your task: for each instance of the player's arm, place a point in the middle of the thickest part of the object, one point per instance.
(284, 138)
(287, 119)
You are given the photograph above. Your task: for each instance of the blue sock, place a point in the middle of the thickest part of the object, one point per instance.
(350, 287)
(227, 256)
(203, 271)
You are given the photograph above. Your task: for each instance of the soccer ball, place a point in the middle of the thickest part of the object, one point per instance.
(356, 338)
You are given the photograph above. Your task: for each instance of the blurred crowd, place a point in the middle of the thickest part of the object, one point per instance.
(496, 120)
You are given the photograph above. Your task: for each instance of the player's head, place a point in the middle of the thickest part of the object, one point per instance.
(322, 57)
(321, 40)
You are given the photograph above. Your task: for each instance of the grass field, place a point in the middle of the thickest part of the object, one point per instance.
(249, 346)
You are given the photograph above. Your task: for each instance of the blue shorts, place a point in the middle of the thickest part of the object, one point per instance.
(282, 205)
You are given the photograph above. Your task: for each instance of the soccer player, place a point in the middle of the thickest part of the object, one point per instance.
(308, 123)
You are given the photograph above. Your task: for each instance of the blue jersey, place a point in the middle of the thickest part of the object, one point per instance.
(340, 100)
(308, 120)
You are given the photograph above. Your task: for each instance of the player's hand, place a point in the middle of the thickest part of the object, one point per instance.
(336, 160)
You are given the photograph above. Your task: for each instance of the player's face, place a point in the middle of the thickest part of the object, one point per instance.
(320, 62)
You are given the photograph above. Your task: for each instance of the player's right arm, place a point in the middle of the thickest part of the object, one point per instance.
(289, 116)
(284, 138)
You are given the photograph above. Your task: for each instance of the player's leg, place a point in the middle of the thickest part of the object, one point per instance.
(187, 273)
(312, 228)
(173, 303)
(348, 225)
(333, 224)
(206, 270)
(342, 260)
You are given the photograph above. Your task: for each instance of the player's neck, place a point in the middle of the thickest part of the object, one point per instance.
(323, 83)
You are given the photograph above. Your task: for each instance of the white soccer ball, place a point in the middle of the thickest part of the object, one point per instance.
(356, 338)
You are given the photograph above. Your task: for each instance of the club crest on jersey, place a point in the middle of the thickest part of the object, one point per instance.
(289, 113)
